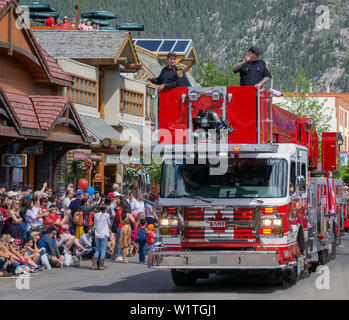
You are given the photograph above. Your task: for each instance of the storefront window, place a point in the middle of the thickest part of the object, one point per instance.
(109, 178)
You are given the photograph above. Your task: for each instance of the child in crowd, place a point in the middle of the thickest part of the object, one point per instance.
(150, 239)
(134, 233)
(142, 240)
(111, 245)
(86, 241)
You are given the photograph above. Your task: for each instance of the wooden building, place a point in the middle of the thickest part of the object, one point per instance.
(110, 101)
(34, 120)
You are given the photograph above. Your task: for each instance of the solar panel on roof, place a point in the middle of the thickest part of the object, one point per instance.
(152, 45)
(180, 46)
(167, 46)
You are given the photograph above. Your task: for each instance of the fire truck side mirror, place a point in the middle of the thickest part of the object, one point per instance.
(300, 184)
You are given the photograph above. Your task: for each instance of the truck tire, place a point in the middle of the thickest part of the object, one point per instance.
(289, 277)
(323, 257)
(183, 279)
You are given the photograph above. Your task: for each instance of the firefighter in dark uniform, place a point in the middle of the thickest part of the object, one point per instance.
(253, 72)
(171, 76)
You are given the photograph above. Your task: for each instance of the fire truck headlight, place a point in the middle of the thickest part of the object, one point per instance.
(267, 222)
(277, 222)
(173, 222)
(164, 222)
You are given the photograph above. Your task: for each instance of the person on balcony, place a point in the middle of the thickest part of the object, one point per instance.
(50, 21)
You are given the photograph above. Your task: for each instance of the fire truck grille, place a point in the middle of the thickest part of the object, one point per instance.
(221, 225)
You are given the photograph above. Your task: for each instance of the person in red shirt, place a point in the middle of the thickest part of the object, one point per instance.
(5, 202)
(65, 22)
(54, 219)
(118, 212)
(50, 22)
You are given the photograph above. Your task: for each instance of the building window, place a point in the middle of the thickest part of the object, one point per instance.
(150, 105)
(131, 102)
(84, 91)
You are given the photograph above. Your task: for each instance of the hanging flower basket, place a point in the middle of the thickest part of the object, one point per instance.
(82, 166)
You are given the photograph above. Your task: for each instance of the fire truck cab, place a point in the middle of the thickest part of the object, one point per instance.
(240, 187)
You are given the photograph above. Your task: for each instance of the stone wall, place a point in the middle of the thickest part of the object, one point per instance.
(61, 172)
(43, 167)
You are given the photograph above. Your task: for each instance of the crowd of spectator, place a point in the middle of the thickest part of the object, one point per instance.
(83, 24)
(46, 229)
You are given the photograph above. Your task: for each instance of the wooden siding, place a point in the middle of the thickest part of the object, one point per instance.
(18, 35)
(15, 78)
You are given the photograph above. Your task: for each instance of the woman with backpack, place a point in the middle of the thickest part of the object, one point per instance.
(102, 223)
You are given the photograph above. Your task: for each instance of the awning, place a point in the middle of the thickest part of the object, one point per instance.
(98, 129)
(38, 116)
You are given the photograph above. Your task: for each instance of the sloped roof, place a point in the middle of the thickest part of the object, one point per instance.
(81, 45)
(4, 4)
(23, 110)
(37, 115)
(54, 72)
(98, 128)
(150, 63)
(54, 69)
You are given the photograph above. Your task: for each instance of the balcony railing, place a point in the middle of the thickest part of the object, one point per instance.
(84, 90)
(132, 102)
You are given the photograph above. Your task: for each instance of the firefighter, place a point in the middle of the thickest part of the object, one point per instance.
(171, 76)
(253, 72)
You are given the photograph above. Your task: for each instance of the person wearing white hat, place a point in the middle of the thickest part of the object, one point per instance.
(12, 195)
(65, 22)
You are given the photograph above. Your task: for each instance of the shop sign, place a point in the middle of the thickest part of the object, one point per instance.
(112, 159)
(14, 160)
(98, 187)
(98, 176)
(78, 155)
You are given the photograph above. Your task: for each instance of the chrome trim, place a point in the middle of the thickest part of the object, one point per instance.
(215, 260)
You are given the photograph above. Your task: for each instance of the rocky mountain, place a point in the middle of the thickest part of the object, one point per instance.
(294, 34)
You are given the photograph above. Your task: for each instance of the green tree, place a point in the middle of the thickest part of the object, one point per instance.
(209, 75)
(343, 174)
(301, 104)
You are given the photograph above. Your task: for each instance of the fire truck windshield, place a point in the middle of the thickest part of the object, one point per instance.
(244, 178)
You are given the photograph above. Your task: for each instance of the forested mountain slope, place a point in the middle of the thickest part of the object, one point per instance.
(224, 29)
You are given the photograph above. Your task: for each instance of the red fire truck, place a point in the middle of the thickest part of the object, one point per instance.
(241, 189)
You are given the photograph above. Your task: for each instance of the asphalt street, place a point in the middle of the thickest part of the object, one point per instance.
(134, 281)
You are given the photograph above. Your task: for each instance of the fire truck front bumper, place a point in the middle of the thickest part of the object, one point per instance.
(215, 260)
